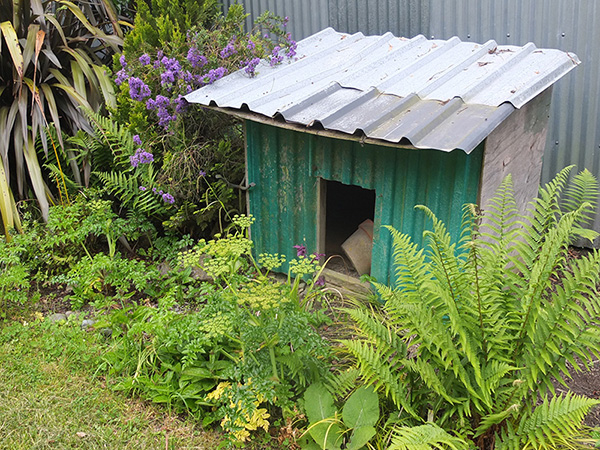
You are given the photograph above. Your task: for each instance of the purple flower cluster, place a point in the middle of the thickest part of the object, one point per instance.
(301, 253)
(144, 59)
(161, 105)
(137, 140)
(214, 74)
(123, 62)
(159, 55)
(166, 197)
(172, 70)
(275, 58)
(122, 76)
(251, 45)
(300, 250)
(196, 59)
(141, 156)
(228, 50)
(180, 105)
(138, 90)
(292, 46)
(250, 66)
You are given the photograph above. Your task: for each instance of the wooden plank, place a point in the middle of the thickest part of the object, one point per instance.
(348, 286)
(516, 147)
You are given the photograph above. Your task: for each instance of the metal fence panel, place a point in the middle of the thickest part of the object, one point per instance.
(306, 16)
(570, 25)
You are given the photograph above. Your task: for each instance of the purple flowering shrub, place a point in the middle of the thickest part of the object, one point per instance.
(159, 78)
(152, 80)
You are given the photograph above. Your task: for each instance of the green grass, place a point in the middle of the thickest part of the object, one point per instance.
(51, 397)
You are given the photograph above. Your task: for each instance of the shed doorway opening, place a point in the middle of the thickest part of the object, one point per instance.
(347, 216)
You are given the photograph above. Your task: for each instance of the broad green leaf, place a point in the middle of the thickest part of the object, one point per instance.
(51, 103)
(194, 373)
(327, 434)
(78, 79)
(318, 403)
(74, 95)
(57, 26)
(360, 437)
(52, 57)
(321, 412)
(5, 203)
(29, 49)
(112, 15)
(362, 408)
(79, 14)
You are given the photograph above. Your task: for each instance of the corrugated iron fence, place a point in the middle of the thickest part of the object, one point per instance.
(570, 25)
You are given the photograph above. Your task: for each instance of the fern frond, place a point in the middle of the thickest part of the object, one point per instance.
(376, 371)
(115, 136)
(425, 437)
(378, 331)
(554, 423)
(544, 211)
(411, 269)
(539, 278)
(583, 188)
(126, 187)
(342, 383)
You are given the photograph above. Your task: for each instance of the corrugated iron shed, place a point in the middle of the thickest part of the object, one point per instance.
(432, 94)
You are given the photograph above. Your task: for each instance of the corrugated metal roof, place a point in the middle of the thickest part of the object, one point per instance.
(434, 93)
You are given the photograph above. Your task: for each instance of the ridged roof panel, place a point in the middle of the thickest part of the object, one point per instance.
(434, 93)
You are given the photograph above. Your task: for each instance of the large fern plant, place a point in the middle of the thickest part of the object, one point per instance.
(474, 335)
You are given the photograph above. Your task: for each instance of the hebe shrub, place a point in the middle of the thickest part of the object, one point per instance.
(160, 64)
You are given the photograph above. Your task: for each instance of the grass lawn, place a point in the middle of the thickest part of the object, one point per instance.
(50, 397)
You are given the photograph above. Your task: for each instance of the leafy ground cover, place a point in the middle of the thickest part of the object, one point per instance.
(52, 398)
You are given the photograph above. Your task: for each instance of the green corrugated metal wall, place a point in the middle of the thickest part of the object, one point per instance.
(285, 165)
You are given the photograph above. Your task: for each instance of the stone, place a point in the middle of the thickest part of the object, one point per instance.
(87, 323)
(57, 317)
(106, 332)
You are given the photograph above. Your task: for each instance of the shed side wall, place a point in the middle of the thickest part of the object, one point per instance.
(516, 147)
(286, 166)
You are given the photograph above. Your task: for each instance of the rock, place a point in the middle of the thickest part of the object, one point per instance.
(57, 317)
(200, 275)
(197, 273)
(106, 332)
(87, 323)
(70, 313)
(164, 268)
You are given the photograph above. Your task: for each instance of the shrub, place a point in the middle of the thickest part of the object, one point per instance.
(473, 334)
(242, 359)
(195, 154)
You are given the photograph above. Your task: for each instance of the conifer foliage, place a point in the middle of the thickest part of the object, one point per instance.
(473, 333)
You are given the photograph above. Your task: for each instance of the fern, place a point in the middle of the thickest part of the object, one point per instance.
(109, 133)
(473, 332)
(126, 187)
(425, 437)
(554, 423)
